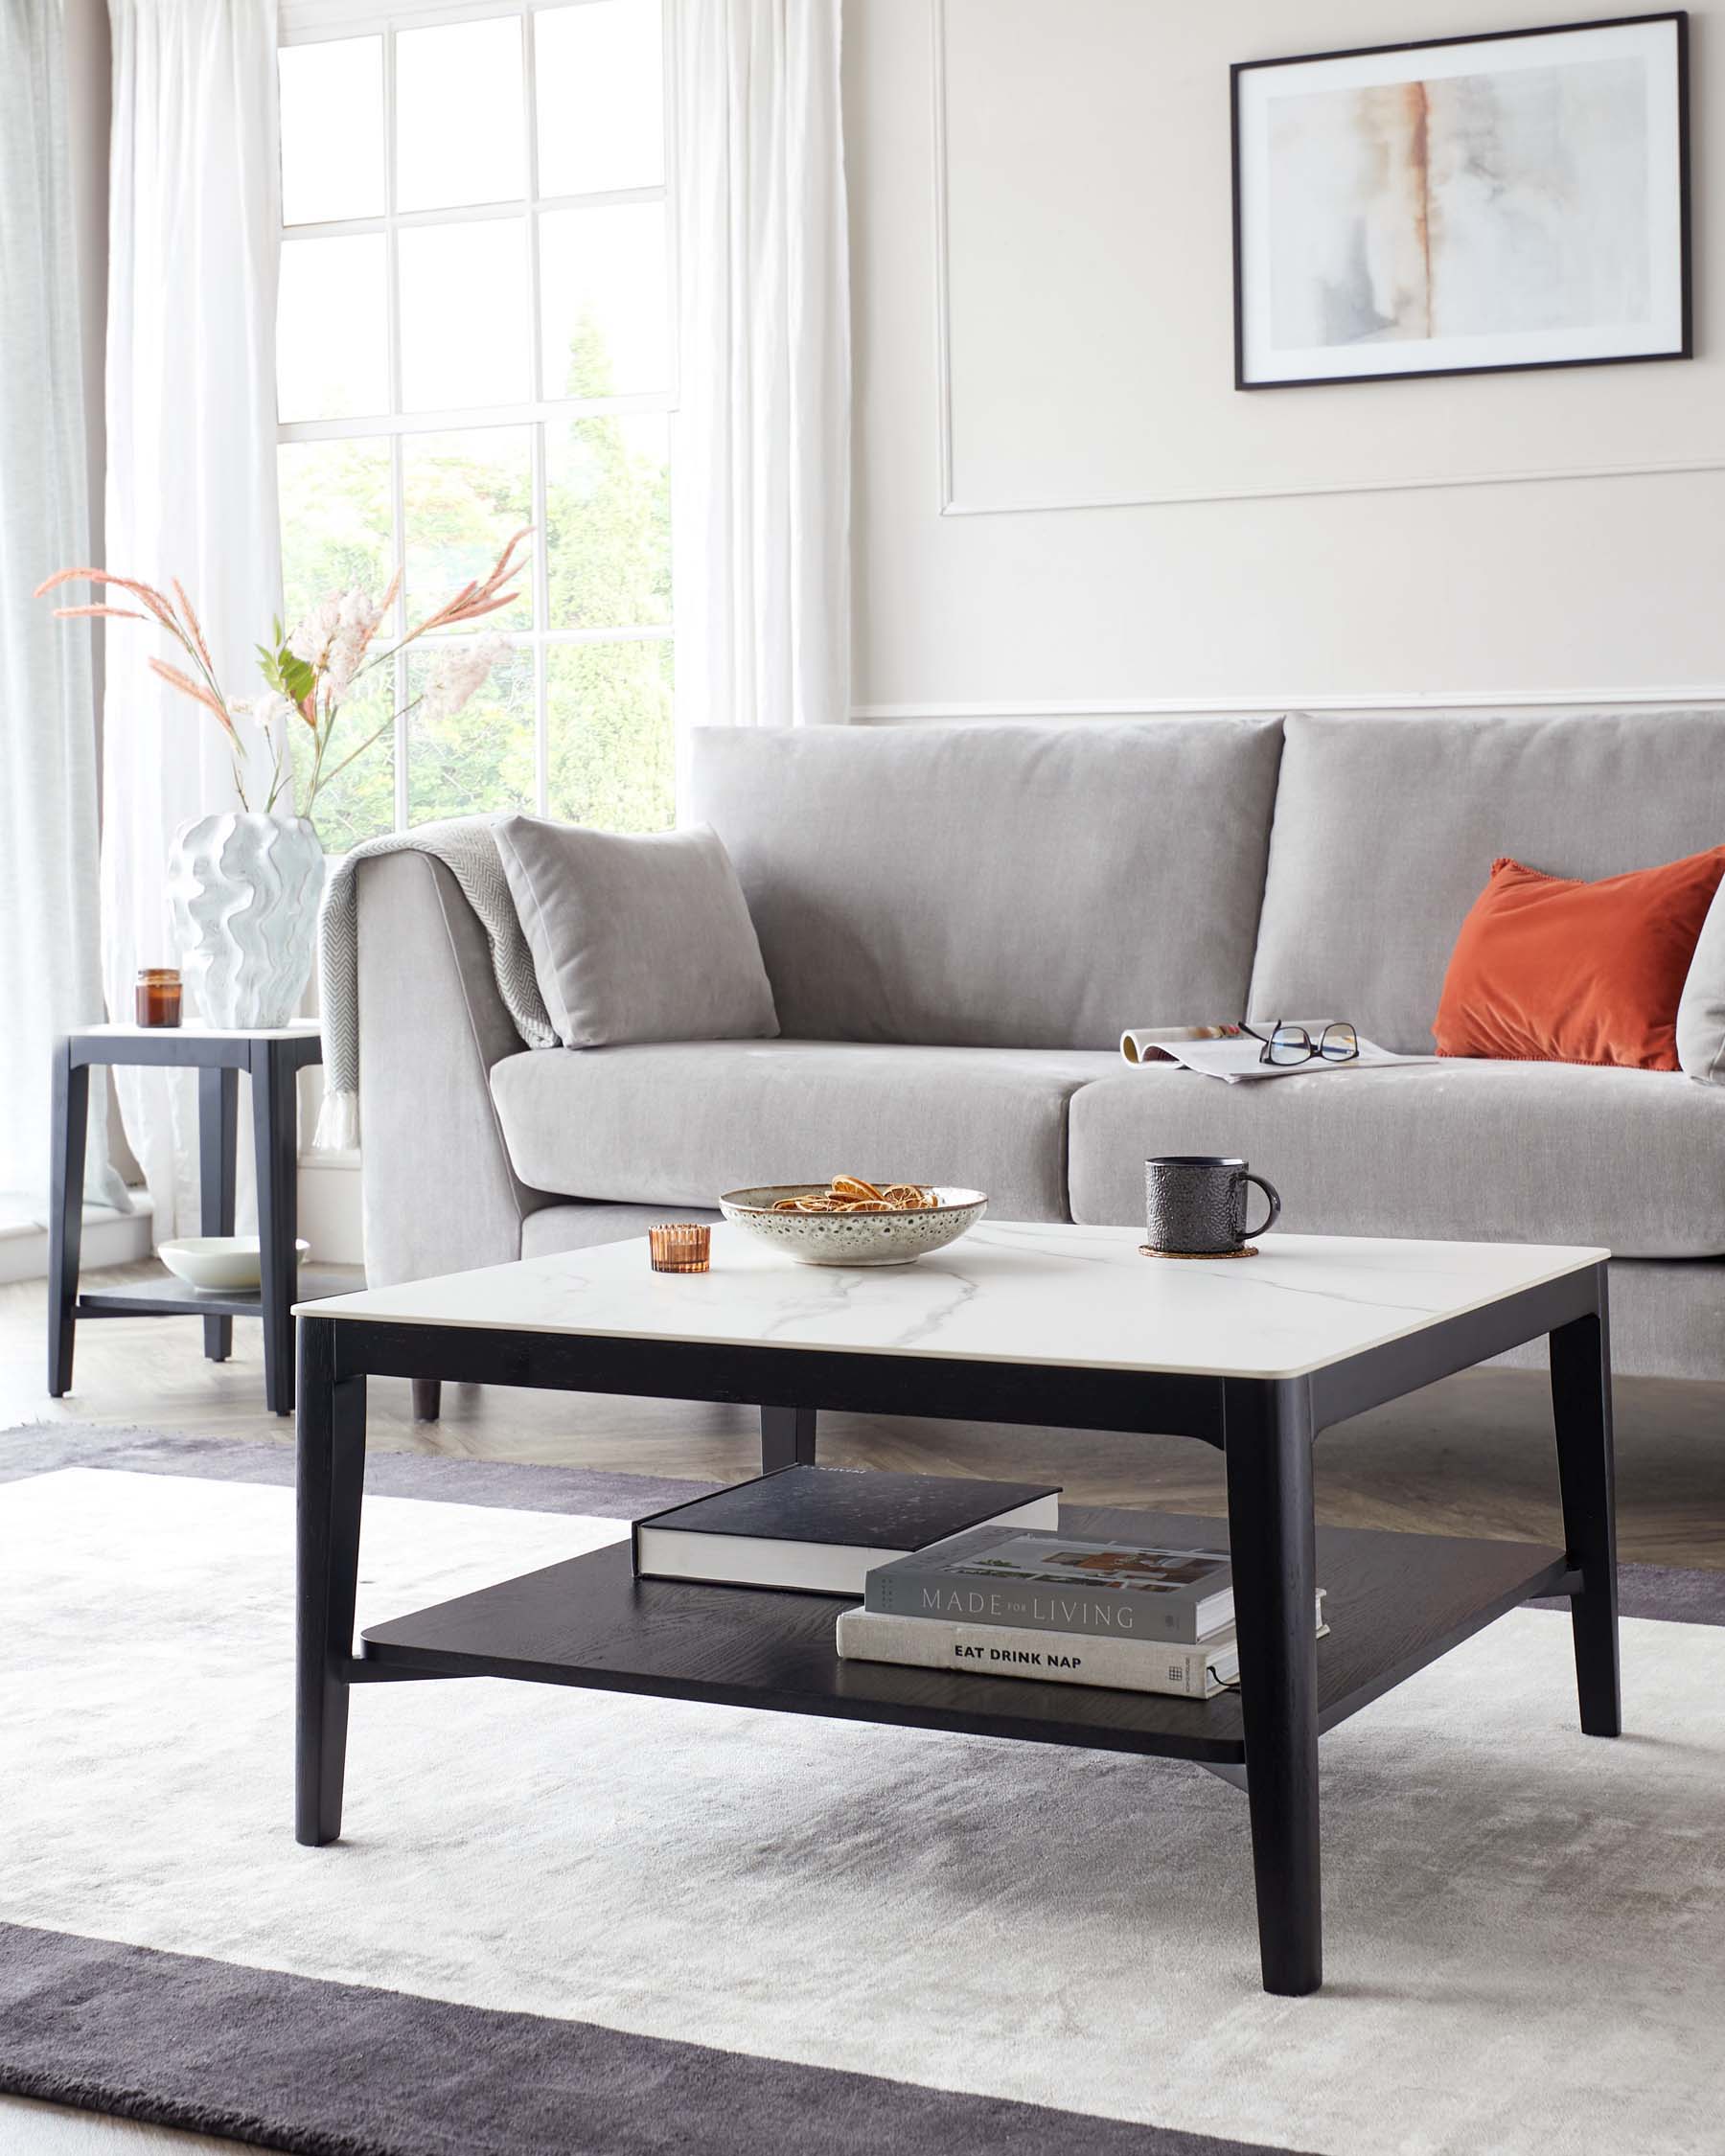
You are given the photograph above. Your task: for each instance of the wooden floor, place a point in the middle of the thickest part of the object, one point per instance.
(1470, 1455)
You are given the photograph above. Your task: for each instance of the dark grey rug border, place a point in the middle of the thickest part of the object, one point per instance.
(509, 1485)
(324, 2069)
(1668, 1593)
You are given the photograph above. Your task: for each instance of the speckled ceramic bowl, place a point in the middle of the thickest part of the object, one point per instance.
(894, 1238)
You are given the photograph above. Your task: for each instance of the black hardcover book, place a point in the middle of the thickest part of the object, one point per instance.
(822, 1529)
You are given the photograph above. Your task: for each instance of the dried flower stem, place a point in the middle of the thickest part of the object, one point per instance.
(187, 634)
(475, 598)
(319, 704)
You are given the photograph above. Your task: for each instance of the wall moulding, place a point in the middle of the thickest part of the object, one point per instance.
(955, 499)
(1392, 704)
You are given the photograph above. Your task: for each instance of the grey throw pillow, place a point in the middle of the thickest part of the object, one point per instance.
(637, 939)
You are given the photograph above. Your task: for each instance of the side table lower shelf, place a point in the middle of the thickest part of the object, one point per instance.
(170, 1297)
(1395, 1603)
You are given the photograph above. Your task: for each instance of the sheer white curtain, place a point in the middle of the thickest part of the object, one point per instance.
(193, 236)
(49, 980)
(762, 459)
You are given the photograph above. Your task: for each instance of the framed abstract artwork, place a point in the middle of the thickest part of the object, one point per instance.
(1463, 205)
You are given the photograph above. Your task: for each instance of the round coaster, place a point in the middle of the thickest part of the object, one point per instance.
(1196, 1257)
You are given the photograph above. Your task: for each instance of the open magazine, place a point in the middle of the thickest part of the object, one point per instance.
(1230, 1052)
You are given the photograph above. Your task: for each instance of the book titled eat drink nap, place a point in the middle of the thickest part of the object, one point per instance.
(1123, 1665)
(822, 1529)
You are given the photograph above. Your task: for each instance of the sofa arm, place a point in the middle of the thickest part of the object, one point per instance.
(438, 1191)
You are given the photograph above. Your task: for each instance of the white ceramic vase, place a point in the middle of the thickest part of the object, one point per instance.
(246, 890)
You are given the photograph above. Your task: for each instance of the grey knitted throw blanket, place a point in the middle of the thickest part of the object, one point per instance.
(468, 849)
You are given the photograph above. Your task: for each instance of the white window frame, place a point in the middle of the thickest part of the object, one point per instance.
(321, 22)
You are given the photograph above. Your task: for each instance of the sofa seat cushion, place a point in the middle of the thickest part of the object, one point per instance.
(675, 1124)
(1475, 1151)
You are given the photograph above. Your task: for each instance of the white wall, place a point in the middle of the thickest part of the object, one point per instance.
(1084, 353)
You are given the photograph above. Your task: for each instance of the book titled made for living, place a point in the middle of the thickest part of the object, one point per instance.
(1060, 1583)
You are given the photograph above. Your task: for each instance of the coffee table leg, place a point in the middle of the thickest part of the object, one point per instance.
(787, 1437)
(331, 1474)
(1580, 1353)
(1268, 1427)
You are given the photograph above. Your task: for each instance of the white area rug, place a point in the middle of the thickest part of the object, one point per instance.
(1524, 1927)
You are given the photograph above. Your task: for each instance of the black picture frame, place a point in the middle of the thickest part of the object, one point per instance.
(1685, 349)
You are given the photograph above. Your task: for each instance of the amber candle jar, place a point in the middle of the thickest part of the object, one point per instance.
(157, 995)
(680, 1247)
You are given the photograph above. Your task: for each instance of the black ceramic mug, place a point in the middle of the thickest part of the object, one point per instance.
(1195, 1204)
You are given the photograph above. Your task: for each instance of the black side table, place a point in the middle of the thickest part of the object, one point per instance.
(274, 1056)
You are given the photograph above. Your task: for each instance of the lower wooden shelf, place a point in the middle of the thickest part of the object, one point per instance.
(1395, 1603)
(169, 1297)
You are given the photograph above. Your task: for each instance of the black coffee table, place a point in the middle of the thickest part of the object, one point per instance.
(1017, 1323)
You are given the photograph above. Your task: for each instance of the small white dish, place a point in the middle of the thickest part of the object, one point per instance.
(229, 1262)
(894, 1238)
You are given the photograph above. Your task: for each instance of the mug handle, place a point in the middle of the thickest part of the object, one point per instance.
(1271, 1218)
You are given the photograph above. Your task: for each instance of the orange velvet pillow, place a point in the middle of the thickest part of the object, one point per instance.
(1551, 970)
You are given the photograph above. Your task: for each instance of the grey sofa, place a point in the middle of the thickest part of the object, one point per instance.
(959, 922)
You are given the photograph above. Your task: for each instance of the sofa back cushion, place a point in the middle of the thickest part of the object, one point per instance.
(997, 887)
(1386, 830)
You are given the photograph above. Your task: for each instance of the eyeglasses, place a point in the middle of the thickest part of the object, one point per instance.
(1285, 1045)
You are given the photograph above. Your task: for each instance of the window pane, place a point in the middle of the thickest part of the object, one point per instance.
(332, 330)
(332, 130)
(465, 494)
(476, 759)
(607, 521)
(609, 711)
(602, 282)
(459, 133)
(334, 520)
(359, 802)
(601, 97)
(335, 534)
(464, 314)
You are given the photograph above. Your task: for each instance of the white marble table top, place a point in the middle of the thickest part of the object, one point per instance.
(1009, 1291)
